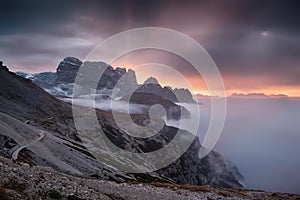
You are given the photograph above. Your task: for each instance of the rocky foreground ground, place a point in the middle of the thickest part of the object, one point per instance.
(21, 181)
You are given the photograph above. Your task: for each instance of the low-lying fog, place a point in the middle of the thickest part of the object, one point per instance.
(262, 138)
(108, 105)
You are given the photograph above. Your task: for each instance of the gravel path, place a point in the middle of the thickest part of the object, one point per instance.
(16, 152)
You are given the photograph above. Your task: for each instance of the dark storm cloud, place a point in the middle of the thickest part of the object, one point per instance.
(42, 28)
(245, 38)
(32, 16)
(46, 16)
(274, 15)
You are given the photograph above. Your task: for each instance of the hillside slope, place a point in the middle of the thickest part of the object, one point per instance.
(26, 109)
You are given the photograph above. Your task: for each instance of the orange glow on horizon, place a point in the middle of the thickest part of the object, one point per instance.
(198, 85)
(279, 90)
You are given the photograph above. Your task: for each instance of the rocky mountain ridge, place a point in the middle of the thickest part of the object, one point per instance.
(67, 69)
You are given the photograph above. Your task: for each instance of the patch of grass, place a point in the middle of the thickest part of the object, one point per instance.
(146, 178)
(237, 191)
(192, 188)
(224, 194)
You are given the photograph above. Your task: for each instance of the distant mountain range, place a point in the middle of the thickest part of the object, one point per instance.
(247, 95)
(259, 95)
(61, 82)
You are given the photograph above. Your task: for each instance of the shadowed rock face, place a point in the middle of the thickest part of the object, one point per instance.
(156, 89)
(211, 170)
(68, 68)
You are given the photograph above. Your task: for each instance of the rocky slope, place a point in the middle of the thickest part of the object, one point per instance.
(26, 110)
(21, 181)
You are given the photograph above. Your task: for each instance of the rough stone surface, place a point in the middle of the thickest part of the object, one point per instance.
(67, 70)
(21, 181)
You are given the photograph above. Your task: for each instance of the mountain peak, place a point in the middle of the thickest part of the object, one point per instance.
(72, 60)
(151, 80)
(2, 66)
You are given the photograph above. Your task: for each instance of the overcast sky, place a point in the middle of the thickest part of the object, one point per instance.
(255, 44)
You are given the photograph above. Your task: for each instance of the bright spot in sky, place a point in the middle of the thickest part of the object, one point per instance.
(265, 33)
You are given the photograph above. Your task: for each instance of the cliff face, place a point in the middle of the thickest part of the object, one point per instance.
(211, 170)
(68, 68)
(26, 110)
